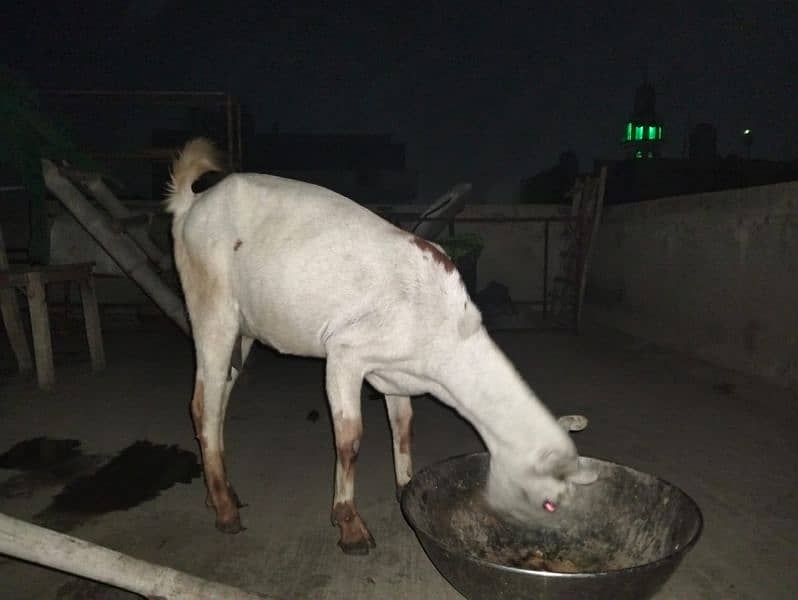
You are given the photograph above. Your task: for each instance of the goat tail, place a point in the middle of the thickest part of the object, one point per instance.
(197, 158)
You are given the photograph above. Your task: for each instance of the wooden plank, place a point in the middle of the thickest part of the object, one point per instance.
(12, 320)
(127, 224)
(73, 273)
(40, 324)
(76, 556)
(17, 274)
(91, 315)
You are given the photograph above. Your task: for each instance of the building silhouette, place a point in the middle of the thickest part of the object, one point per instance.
(644, 174)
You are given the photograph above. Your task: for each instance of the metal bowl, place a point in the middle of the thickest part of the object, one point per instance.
(620, 537)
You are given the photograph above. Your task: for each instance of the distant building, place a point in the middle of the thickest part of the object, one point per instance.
(639, 180)
(703, 143)
(643, 174)
(550, 185)
(368, 168)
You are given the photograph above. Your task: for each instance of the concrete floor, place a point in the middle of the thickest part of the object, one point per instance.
(726, 439)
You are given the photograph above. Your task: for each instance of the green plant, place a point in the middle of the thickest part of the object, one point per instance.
(27, 136)
(463, 244)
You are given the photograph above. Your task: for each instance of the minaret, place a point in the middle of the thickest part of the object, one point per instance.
(643, 133)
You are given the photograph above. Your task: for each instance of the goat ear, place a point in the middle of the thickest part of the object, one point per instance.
(584, 475)
(549, 462)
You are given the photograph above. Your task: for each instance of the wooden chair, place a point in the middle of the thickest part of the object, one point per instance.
(31, 280)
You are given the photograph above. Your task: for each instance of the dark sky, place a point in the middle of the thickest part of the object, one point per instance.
(487, 92)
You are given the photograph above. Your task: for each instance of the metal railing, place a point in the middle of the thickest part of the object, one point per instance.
(398, 218)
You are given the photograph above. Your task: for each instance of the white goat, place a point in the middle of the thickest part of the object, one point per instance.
(311, 273)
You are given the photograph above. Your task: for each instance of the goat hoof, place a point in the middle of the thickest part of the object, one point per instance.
(233, 526)
(358, 548)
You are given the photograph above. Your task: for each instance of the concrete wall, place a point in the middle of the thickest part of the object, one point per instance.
(714, 274)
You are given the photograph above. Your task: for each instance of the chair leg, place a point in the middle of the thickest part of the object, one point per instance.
(91, 315)
(40, 324)
(12, 320)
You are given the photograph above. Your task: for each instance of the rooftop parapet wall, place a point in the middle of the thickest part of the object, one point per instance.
(713, 274)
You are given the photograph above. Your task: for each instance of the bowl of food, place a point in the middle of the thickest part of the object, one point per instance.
(620, 537)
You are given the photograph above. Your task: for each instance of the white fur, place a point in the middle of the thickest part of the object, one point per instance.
(312, 273)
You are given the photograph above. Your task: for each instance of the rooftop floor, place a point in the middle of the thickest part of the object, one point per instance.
(727, 439)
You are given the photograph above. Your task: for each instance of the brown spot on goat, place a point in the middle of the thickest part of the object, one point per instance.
(405, 438)
(404, 429)
(237, 245)
(438, 256)
(218, 487)
(347, 453)
(343, 512)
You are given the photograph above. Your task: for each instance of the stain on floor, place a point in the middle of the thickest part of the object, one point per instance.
(93, 484)
(44, 462)
(137, 474)
(39, 453)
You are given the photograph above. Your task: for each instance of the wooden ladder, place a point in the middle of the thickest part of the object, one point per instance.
(567, 296)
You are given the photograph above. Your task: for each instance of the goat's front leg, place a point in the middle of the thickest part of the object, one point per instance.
(400, 415)
(343, 392)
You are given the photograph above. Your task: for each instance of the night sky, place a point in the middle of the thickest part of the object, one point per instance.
(485, 92)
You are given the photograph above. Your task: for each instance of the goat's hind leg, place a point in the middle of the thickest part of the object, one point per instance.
(214, 338)
(235, 370)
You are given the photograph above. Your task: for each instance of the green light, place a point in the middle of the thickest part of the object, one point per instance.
(629, 131)
(639, 154)
(659, 132)
(639, 132)
(652, 132)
